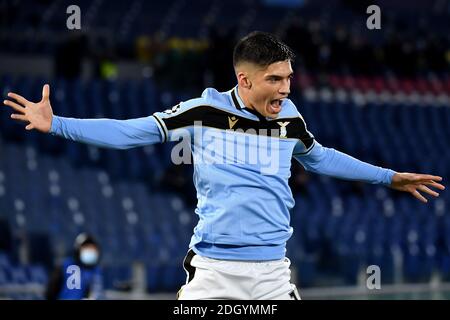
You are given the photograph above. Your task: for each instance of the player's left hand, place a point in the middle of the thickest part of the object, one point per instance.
(414, 182)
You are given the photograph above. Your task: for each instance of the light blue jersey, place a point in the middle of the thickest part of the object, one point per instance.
(241, 167)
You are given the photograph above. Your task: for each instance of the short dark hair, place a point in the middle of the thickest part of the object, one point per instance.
(262, 49)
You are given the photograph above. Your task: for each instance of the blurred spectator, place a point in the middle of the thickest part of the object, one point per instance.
(86, 257)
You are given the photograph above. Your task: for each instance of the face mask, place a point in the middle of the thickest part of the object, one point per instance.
(89, 256)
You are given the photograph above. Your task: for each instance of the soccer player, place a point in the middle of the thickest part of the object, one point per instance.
(238, 250)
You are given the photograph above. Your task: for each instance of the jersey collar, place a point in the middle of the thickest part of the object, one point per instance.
(239, 104)
(236, 99)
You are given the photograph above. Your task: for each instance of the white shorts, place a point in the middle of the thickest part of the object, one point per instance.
(236, 280)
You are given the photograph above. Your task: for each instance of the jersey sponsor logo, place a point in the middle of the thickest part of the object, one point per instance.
(283, 130)
(232, 121)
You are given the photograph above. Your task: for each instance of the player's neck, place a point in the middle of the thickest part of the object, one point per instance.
(244, 98)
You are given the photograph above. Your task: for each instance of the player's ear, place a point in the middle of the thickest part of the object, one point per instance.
(244, 80)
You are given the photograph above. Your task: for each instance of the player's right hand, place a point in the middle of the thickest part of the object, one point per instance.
(38, 115)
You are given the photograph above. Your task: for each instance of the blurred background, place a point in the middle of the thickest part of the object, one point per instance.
(382, 96)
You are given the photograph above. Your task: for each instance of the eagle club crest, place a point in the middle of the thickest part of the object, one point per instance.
(283, 130)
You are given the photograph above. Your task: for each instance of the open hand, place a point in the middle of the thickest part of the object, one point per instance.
(38, 115)
(414, 182)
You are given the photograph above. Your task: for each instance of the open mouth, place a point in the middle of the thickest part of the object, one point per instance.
(275, 105)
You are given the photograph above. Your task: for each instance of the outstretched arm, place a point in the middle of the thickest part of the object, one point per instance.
(108, 133)
(334, 163)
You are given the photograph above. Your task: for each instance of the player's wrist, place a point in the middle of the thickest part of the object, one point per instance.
(55, 123)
